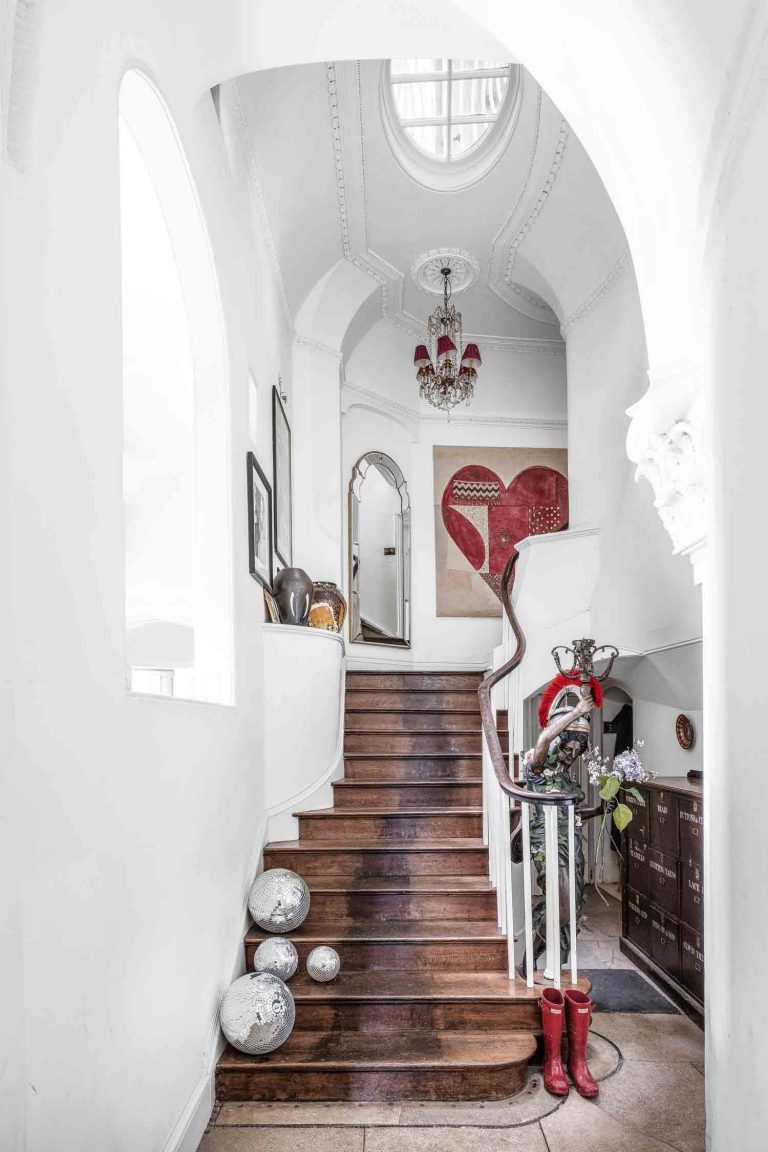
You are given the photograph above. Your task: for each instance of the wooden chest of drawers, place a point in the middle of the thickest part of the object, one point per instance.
(663, 886)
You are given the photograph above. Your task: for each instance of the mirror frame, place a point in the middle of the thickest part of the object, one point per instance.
(359, 472)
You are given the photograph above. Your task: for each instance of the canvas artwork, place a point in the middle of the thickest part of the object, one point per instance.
(486, 500)
(259, 523)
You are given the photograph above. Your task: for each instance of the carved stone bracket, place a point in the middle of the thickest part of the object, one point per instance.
(666, 442)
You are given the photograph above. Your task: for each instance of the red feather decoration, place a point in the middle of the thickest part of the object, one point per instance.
(557, 685)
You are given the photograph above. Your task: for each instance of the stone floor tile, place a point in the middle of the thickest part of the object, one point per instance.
(529, 1105)
(665, 1101)
(291, 1115)
(648, 1036)
(581, 1126)
(526, 1139)
(283, 1140)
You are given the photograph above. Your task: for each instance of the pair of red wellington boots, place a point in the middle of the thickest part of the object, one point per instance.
(574, 1008)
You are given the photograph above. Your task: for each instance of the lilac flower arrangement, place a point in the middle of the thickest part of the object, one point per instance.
(610, 774)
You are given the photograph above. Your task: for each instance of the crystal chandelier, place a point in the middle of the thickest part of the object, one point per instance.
(442, 379)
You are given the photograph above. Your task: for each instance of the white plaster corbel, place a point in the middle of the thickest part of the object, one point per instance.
(666, 442)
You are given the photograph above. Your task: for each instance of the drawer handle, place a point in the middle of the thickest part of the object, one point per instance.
(695, 831)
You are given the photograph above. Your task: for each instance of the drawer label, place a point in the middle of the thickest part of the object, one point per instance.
(670, 873)
(638, 911)
(692, 951)
(637, 855)
(664, 931)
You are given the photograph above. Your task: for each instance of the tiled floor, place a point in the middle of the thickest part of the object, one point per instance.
(650, 1070)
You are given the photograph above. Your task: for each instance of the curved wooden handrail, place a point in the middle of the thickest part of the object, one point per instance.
(486, 711)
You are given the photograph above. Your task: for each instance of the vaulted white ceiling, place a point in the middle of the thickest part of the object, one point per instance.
(348, 221)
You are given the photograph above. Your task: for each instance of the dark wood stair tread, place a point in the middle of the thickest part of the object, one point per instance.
(388, 931)
(450, 844)
(389, 813)
(382, 782)
(408, 884)
(413, 756)
(408, 986)
(358, 1051)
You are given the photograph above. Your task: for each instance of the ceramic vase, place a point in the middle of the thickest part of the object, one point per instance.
(292, 590)
(329, 608)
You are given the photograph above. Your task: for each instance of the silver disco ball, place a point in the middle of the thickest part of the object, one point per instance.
(323, 964)
(276, 955)
(257, 1013)
(278, 900)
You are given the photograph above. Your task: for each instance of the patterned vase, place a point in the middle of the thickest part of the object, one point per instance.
(292, 589)
(329, 608)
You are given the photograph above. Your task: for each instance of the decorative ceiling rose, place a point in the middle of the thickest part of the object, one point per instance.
(444, 380)
(427, 270)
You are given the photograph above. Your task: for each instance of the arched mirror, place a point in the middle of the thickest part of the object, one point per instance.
(379, 552)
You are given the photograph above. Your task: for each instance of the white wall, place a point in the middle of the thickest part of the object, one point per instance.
(736, 934)
(644, 596)
(437, 641)
(136, 823)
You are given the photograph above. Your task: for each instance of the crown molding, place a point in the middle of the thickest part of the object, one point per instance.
(354, 394)
(346, 112)
(596, 297)
(538, 207)
(257, 193)
(317, 346)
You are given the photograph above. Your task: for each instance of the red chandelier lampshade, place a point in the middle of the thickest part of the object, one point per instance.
(471, 357)
(445, 348)
(421, 356)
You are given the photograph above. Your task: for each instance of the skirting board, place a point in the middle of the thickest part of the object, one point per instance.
(188, 1130)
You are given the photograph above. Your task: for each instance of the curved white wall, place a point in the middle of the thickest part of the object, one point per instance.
(303, 722)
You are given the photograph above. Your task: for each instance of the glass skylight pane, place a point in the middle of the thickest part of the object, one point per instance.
(427, 101)
(414, 67)
(481, 97)
(443, 115)
(465, 136)
(431, 138)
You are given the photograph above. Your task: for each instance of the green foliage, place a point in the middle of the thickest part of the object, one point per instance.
(610, 787)
(622, 816)
(637, 795)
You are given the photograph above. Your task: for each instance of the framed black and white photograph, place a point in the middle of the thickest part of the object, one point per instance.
(259, 523)
(281, 449)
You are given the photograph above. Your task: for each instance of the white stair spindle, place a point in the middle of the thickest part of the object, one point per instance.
(574, 963)
(552, 971)
(525, 816)
(508, 912)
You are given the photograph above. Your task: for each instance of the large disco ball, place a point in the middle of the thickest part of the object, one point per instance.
(278, 900)
(276, 955)
(323, 964)
(257, 1013)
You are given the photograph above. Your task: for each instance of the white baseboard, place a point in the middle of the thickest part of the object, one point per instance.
(189, 1128)
(370, 663)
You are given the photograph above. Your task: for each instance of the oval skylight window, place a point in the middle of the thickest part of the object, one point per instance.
(447, 107)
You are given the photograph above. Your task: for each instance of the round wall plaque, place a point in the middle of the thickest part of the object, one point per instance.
(684, 732)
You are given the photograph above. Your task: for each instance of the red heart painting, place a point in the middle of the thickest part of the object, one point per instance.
(487, 521)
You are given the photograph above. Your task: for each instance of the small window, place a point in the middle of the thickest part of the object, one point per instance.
(447, 107)
(178, 545)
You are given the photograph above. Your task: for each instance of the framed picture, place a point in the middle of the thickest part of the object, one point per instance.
(259, 523)
(281, 474)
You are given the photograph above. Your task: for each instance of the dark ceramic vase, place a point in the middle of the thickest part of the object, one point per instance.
(292, 589)
(329, 608)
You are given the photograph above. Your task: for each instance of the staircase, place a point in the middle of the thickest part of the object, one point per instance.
(423, 1008)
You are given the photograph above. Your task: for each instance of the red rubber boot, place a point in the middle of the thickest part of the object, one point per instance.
(578, 1015)
(552, 1020)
